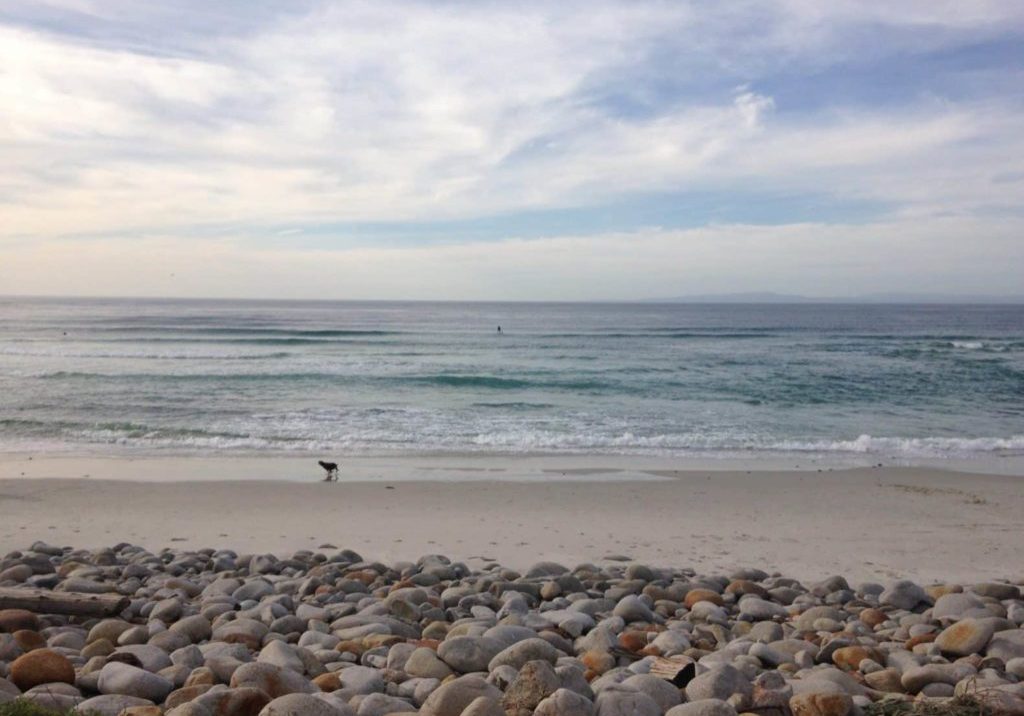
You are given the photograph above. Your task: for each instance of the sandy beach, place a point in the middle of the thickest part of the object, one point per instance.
(867, 524)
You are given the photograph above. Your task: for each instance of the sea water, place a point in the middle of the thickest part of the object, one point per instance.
(903, 382)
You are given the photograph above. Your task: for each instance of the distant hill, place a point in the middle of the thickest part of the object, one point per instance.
(771, 297)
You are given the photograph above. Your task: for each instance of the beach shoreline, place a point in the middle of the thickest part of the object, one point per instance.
(869, 524)
(403, 466)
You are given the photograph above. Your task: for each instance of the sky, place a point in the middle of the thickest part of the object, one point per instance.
(578, 150)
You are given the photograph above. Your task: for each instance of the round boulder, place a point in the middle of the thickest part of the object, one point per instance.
(41, 666)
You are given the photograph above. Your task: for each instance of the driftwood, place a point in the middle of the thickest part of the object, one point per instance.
(43, 601)
(680, 670)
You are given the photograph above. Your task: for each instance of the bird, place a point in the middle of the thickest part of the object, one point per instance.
(332, 470)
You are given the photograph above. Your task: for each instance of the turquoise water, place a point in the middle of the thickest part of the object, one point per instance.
(379, 378)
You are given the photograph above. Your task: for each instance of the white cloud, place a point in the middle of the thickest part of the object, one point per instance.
(384, 111)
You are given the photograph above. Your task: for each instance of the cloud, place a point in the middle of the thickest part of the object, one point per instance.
(179, 120)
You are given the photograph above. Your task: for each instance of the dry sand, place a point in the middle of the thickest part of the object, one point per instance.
(866, 524)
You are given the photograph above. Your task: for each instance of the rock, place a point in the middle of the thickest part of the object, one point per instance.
(197, 628)
(142, 711)
(10, 649)
(913, 680)
(382, 705)
(721, 682)
(967, 636)
(705, 707)
(29, 640)
(281, 654)
(565, 703)
(955, 605)
(765, 632)
(452, 697)
(166, 610)
(108, 629)
(545, 569)
(672, 642)
(119, 678)
(521, 652)
(998, 590)
(820, 704)
(937, 691)
(1002, 703)
(272, 680)
(759, 609)
(664, 693)
(12, 620)
(848, 658)
(535, 682)
(300, 705)
(598, 661)
(111, 704)
(149, 657)
(361, 679)
(617, 701)
(42, 666)
(17, 573)
(1007, 644)
(828, 681)
(185, 694)
(219, 701)
(633, 609)
(425, 664)
(242, 631)
(50, 701)
(887, 680)
(807, 618)
(483, 706)
(872, 617)
(702, 595)
(328, 682)
(468, 653)
(771, 691)
(903, 594)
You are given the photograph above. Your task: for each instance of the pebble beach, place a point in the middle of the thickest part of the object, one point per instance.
(330, 632)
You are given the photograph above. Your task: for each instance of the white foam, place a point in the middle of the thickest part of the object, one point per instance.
(968, 345)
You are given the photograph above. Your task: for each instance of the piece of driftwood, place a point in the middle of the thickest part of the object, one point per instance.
(43, 601)
(680, 670)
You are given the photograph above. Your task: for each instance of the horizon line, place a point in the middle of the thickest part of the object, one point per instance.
(711, 299)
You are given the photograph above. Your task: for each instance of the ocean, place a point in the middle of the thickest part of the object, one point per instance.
(871, 382)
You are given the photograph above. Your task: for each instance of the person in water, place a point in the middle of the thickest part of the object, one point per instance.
(499, 329)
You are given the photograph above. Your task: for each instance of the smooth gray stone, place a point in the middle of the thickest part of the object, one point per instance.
(119, 678)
